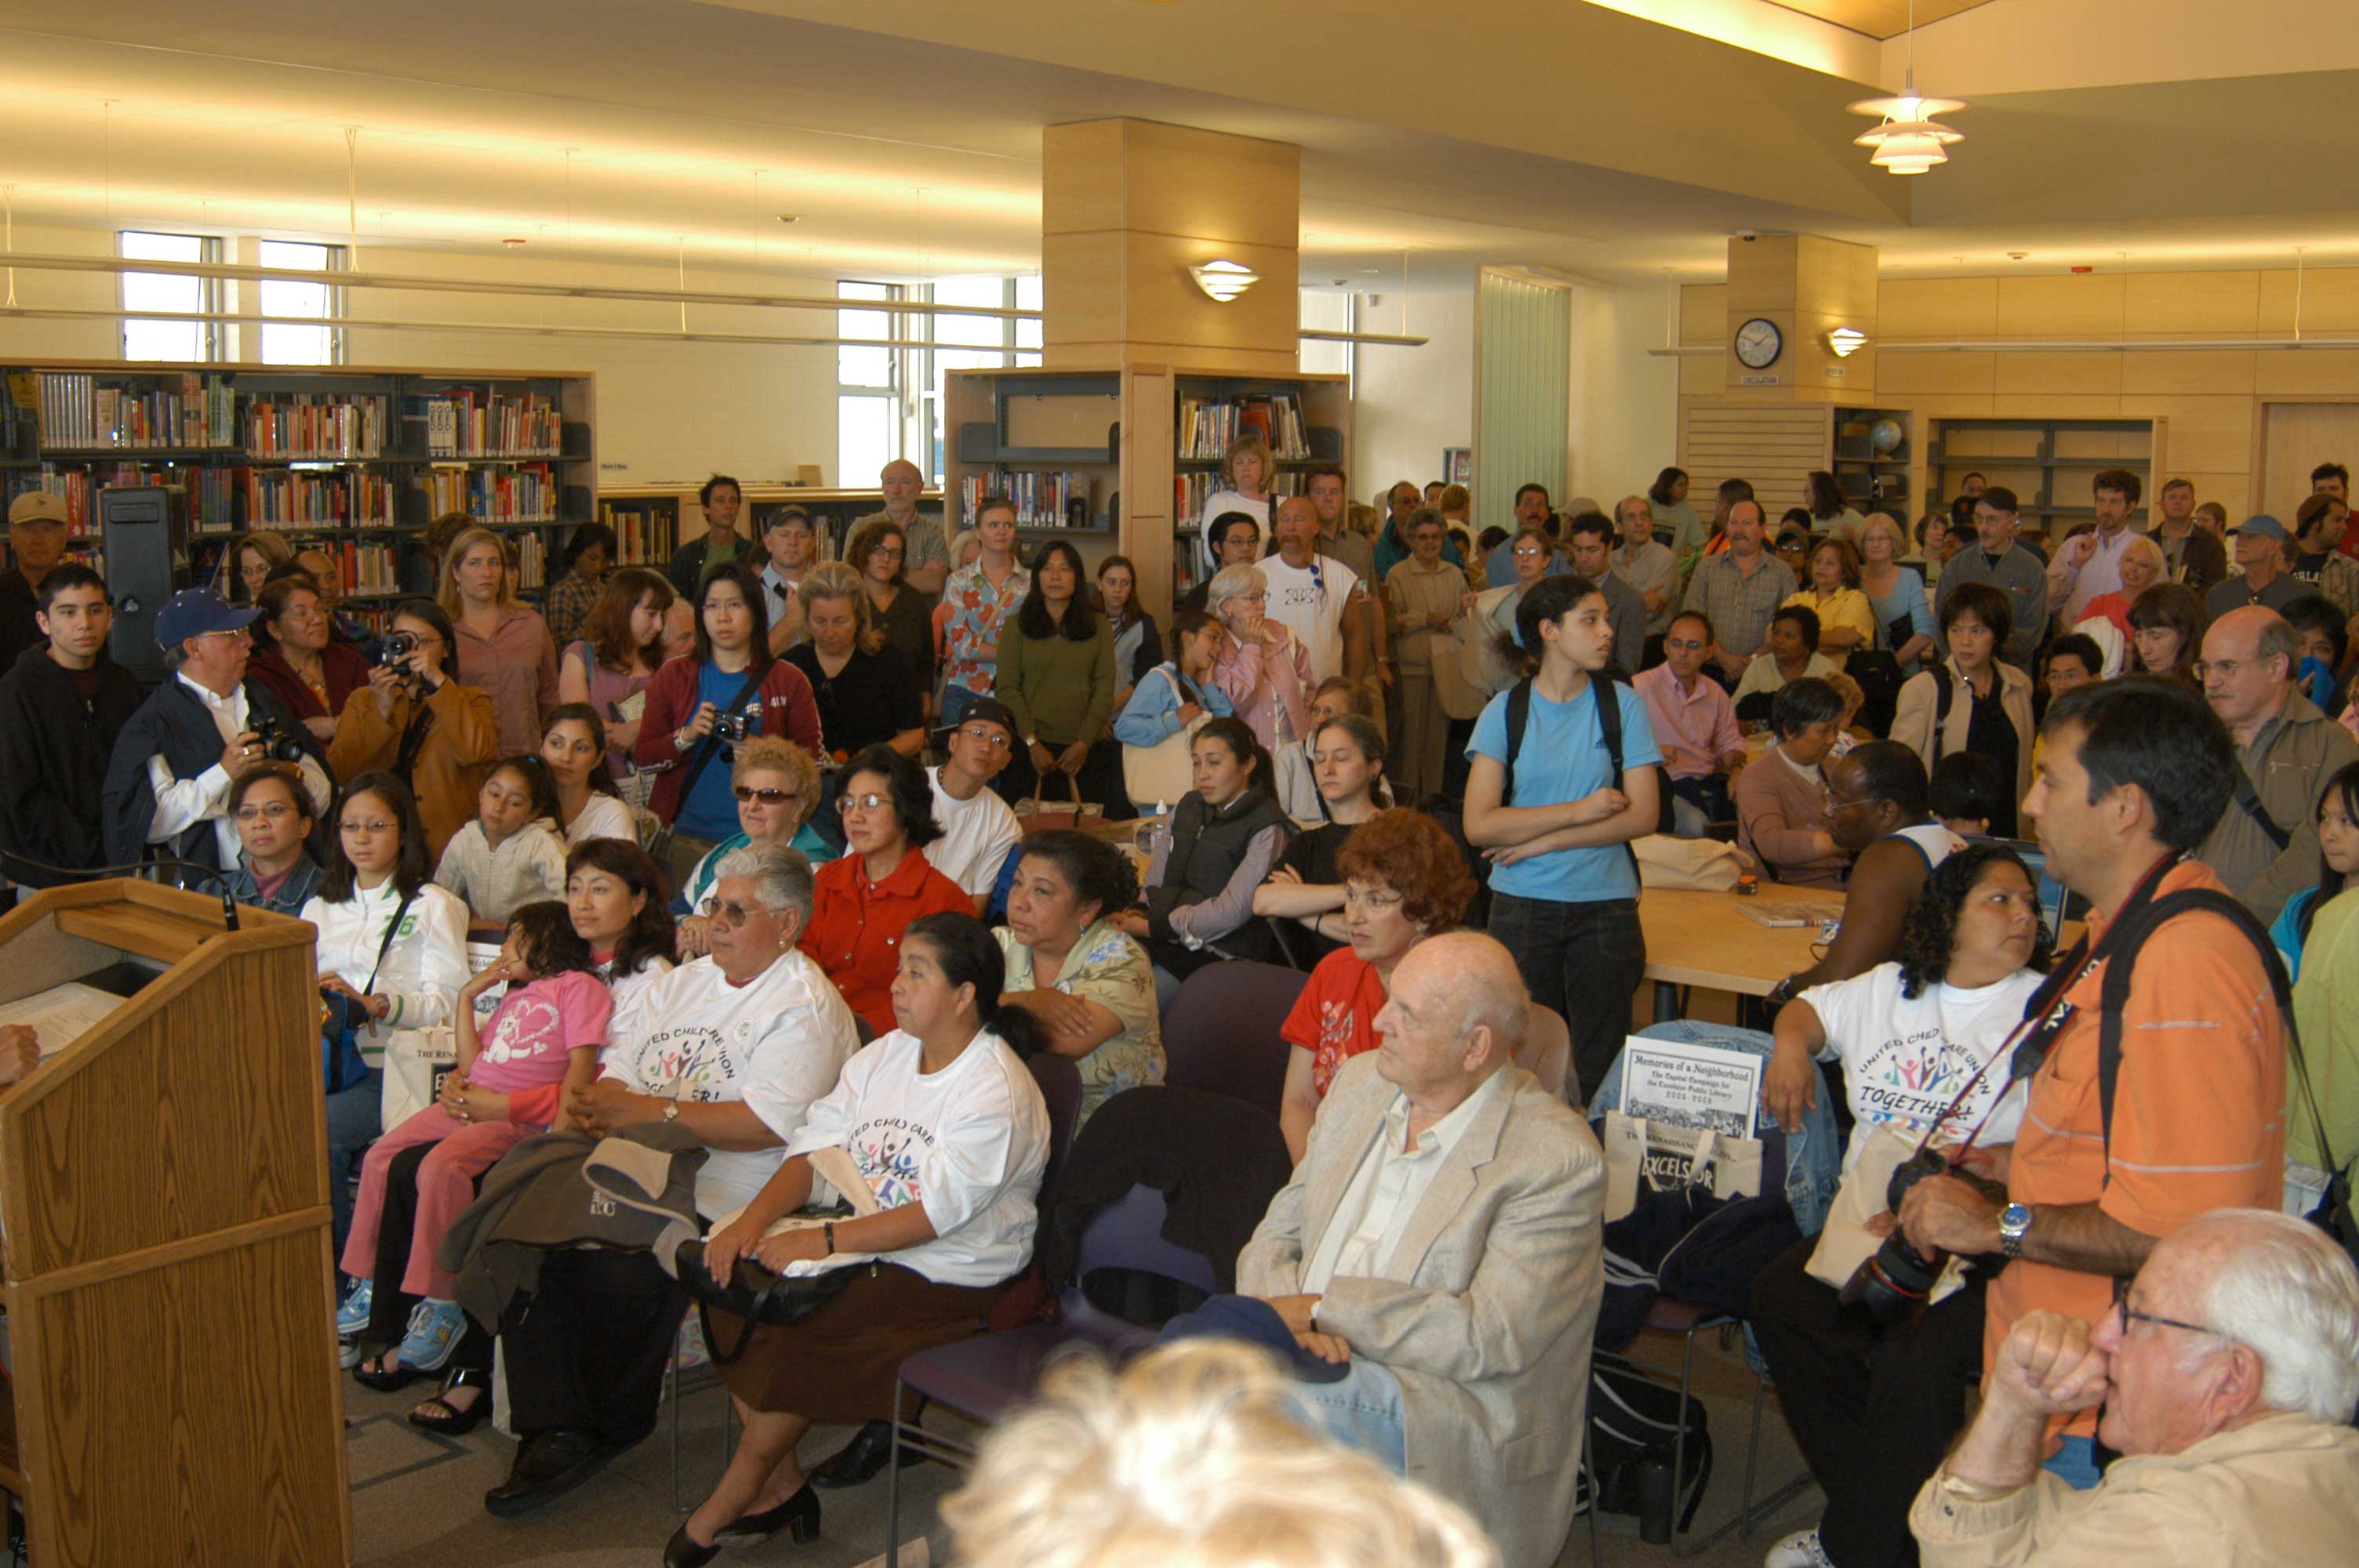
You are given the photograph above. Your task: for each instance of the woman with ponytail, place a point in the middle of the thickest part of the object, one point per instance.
(1553, 819)
(948, 1129)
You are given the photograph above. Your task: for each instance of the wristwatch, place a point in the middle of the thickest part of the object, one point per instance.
(671, 1110)
(681, 739)
(2014, 1225)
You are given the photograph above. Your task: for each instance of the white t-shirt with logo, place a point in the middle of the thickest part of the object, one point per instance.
(1904, 1059)
(976, 836)
(776, 1043)
(970, 1143)
(1309, 600)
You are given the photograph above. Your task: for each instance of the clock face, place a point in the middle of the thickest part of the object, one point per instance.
(1758, 342)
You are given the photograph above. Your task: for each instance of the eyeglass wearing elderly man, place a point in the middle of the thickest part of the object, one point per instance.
(2227, 1372)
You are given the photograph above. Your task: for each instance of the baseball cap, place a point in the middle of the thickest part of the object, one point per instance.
(194, 611)
(990, 710)
(2264, 525)
(37, 506)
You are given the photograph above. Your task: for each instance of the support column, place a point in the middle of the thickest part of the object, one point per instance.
(1805, 287)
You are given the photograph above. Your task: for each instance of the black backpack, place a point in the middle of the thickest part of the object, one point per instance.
(1632, 1413)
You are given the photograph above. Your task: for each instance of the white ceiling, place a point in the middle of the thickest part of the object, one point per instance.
(906, 152)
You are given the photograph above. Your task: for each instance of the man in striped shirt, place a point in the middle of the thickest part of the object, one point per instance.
(2133, 775)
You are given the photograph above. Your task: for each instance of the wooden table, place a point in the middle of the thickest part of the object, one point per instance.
(1702, 939)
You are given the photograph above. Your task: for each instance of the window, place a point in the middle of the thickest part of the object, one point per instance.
(985, 343)
(868, 387)
(183, 340)
(1328, 311)
(290, 345)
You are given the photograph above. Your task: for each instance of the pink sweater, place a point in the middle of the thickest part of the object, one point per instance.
(1262, 681)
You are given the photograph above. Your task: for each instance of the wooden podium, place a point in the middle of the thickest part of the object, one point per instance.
(163, 1192)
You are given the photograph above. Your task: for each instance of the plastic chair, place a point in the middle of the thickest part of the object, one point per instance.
(987, 1376)
(1221, 1031)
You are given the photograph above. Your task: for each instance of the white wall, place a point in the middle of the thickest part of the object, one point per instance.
(1408, 404)
(1624, 424)
(666, 411)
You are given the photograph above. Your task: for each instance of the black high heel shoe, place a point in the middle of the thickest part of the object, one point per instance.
(453, 1422)
(798, 1515)
(681, 1551)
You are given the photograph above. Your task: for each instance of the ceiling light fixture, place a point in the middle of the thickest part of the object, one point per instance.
(1908, 140)
(1222, 279)
(1845, 342)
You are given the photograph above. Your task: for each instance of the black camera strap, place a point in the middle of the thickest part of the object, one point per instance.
(413, 742)
(710, 747)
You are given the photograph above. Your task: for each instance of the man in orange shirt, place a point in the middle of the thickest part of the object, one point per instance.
(2133, 774)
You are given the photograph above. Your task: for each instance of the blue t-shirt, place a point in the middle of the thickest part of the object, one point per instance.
(1563, 759)
(709, 808)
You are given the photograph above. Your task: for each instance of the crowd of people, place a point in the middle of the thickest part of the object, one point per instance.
(761, 861)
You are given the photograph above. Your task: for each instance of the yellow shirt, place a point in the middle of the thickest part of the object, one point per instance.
(1847, 608)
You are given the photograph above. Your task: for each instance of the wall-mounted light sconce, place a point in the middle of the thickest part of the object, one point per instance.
(1845, 342)
(1224, 280)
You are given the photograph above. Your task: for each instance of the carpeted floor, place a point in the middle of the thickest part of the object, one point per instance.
(418, 1499)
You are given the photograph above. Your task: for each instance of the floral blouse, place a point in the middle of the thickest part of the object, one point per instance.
(1108, 967)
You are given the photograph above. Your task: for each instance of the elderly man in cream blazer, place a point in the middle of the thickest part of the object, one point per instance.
(1441, 1239)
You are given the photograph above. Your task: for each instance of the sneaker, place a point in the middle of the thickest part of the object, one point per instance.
(435, 1328)
(1800, 1549)
(348, 1355)
(353, 1317)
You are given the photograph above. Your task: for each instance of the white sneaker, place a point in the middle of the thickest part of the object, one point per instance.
(1800, 1549)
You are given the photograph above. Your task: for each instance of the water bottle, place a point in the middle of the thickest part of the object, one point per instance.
(1150, 832)
(1658, 1496)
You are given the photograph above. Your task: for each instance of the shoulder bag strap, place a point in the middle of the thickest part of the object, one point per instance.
(1520, 714)
(392, 928)
(2248, 801)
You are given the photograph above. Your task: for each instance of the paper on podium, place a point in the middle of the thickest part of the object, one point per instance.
(62, 1014)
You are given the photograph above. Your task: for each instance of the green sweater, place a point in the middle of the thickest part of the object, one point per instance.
(1060, 691)
(2326, 1008)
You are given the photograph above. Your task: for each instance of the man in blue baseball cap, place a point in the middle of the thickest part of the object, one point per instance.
(2259, 546)
(167, 784)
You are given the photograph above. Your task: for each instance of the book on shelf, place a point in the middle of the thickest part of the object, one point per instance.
(643, 531)
(1190, 491)
(368, 569)
(290, 499)
(315, 424)
(76, 411)
(506, 493)
(468, 422)
(1207, 425)
(1043, 500)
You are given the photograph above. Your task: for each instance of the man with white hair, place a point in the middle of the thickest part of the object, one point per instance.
(1441, 1239)
(2227, 1371)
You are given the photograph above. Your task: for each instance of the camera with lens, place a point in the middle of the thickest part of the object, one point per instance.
(730, 728)
(397, 649)
(276, 744)
(1899, 1278)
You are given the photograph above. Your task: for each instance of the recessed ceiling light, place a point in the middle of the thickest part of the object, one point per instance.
(790, 217)
(511, 243)
(2016, 255)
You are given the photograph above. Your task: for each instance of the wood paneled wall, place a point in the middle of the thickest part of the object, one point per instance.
(2214, 399)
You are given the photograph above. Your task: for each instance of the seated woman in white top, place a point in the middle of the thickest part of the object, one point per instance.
(392, 945)
(949, 1129)
(1923, 1043)
(1792, 654)
(573, 744)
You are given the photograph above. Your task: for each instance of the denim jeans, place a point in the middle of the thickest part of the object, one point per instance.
(1361, 1410)
(1586, 961)
(354, 1117)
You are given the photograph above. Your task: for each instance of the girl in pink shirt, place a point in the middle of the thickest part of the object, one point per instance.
(546, 1033)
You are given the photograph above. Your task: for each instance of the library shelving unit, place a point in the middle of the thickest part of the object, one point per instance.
(650, 520)
(1121, 459)
(1871, 479)
(355, 461)
(2046, 462)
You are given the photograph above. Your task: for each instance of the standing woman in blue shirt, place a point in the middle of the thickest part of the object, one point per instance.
(1564, 891)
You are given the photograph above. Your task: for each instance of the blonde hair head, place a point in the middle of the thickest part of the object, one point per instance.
(447, 592)
(1250, 442)
(2157, 565)
(776, 754)
(1454, 500)
(1192, 1457)
(839, 579)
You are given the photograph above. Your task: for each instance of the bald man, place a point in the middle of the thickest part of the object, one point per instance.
(1316, 597)
(1649, 567)
(2265, 846)
(1441, 1240)
(927, 565)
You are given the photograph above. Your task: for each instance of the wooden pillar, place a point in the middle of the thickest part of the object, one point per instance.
(1805, 287)
(1128, 207)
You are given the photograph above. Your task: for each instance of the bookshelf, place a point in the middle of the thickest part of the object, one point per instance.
(1871, 481)
(1124, 453)
(647, 519)
(2046, 462)
(355, 461)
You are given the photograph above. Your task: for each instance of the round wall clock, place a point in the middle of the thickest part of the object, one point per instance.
(1758, 343)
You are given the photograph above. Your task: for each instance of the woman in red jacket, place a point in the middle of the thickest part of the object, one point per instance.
(863, 901)
(700, 705)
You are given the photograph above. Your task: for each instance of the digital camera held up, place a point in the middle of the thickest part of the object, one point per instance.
(1897, 1279)
(396, 648)
(276, 744)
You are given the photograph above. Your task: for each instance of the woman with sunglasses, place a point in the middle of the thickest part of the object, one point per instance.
(777, 786)
(863, 903)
